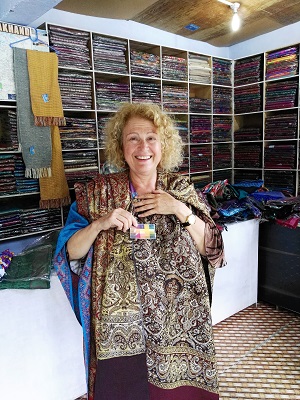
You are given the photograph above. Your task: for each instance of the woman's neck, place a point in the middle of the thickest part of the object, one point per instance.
(142, 183)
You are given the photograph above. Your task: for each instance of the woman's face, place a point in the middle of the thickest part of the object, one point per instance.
(141, 146)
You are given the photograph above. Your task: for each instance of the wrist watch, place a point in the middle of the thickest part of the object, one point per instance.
(190, 220)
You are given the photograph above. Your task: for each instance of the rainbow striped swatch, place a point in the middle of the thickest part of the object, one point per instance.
(143, 231)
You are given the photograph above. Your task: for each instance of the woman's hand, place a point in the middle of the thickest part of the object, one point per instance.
(157, 202)
(160, 202)
(78, 245)
(119, 218)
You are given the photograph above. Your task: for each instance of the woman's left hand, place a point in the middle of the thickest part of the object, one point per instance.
(157, 202)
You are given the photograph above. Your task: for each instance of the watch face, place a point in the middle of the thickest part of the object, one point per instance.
(191, 219)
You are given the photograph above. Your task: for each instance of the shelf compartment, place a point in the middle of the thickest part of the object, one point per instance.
(222, 156)
(174, 64)
(200, 98)
(282, 63)
(222, 100)
(201, 180)
(282, 181)
(110, 54)
(281, 125)
(280, 155)
(200, 129)
(8, 130)
(175, 98)
(222, 72)
(144, 59)
(75, 89)
(222, 128)
(200, 158)
(248, 127)
(248, 155)
(72, 46)
(281, 94)
(200, 69)
(248, 70)
(248, 99)
(145, 91)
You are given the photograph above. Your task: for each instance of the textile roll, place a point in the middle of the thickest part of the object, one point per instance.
(44, 88)
(54, 190)
(35, 141)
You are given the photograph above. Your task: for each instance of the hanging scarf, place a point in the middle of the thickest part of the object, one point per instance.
(54, 190)
(44, 88)
(35, 141)
(153, 286)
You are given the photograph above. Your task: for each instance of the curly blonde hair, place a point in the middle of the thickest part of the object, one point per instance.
(171, 142)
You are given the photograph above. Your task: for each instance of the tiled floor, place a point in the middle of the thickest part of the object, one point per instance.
(258, 353)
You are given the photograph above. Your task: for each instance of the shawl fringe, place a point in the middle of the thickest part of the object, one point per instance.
(55, 203)
(37, 173)
(49, 121)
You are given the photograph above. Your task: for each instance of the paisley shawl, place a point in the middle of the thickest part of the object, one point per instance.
(151, 296)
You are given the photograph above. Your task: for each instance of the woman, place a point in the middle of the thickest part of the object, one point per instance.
(149, 336)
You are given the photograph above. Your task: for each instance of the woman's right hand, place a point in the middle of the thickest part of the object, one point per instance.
(79, 244)
(119, 218)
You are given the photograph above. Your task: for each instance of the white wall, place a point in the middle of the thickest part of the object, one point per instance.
(282, 37)
(129, 29)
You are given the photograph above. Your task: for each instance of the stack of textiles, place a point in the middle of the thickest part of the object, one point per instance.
(198, 105)
(200, 129)
(248, 70)
(242, 175)
(110, 95)
(249, 133)
(37, 220)
(182, 127)
(222, 103)
(79, 133)
(110, 54)
(200, 180)
(221, 72)
(247, 99)
(102, 121)
(146, 92)
(199, 69)
(8, 130)
(247, 155)
(282, 63)
(281, 94)
(222, 156)
(10, 223)
(280, 156)
(174, 68)
(144, 64)
(71, 47)
(281, 126)
(222, 175)
(24, 185)
(200, 158)
(175, 98)
(80, 165)
(76, 90)
(7, 176)
(280, 180)
(222, 127)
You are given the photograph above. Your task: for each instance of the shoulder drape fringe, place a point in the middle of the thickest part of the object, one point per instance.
(54, 190)
(49, 121)
(37, 173)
